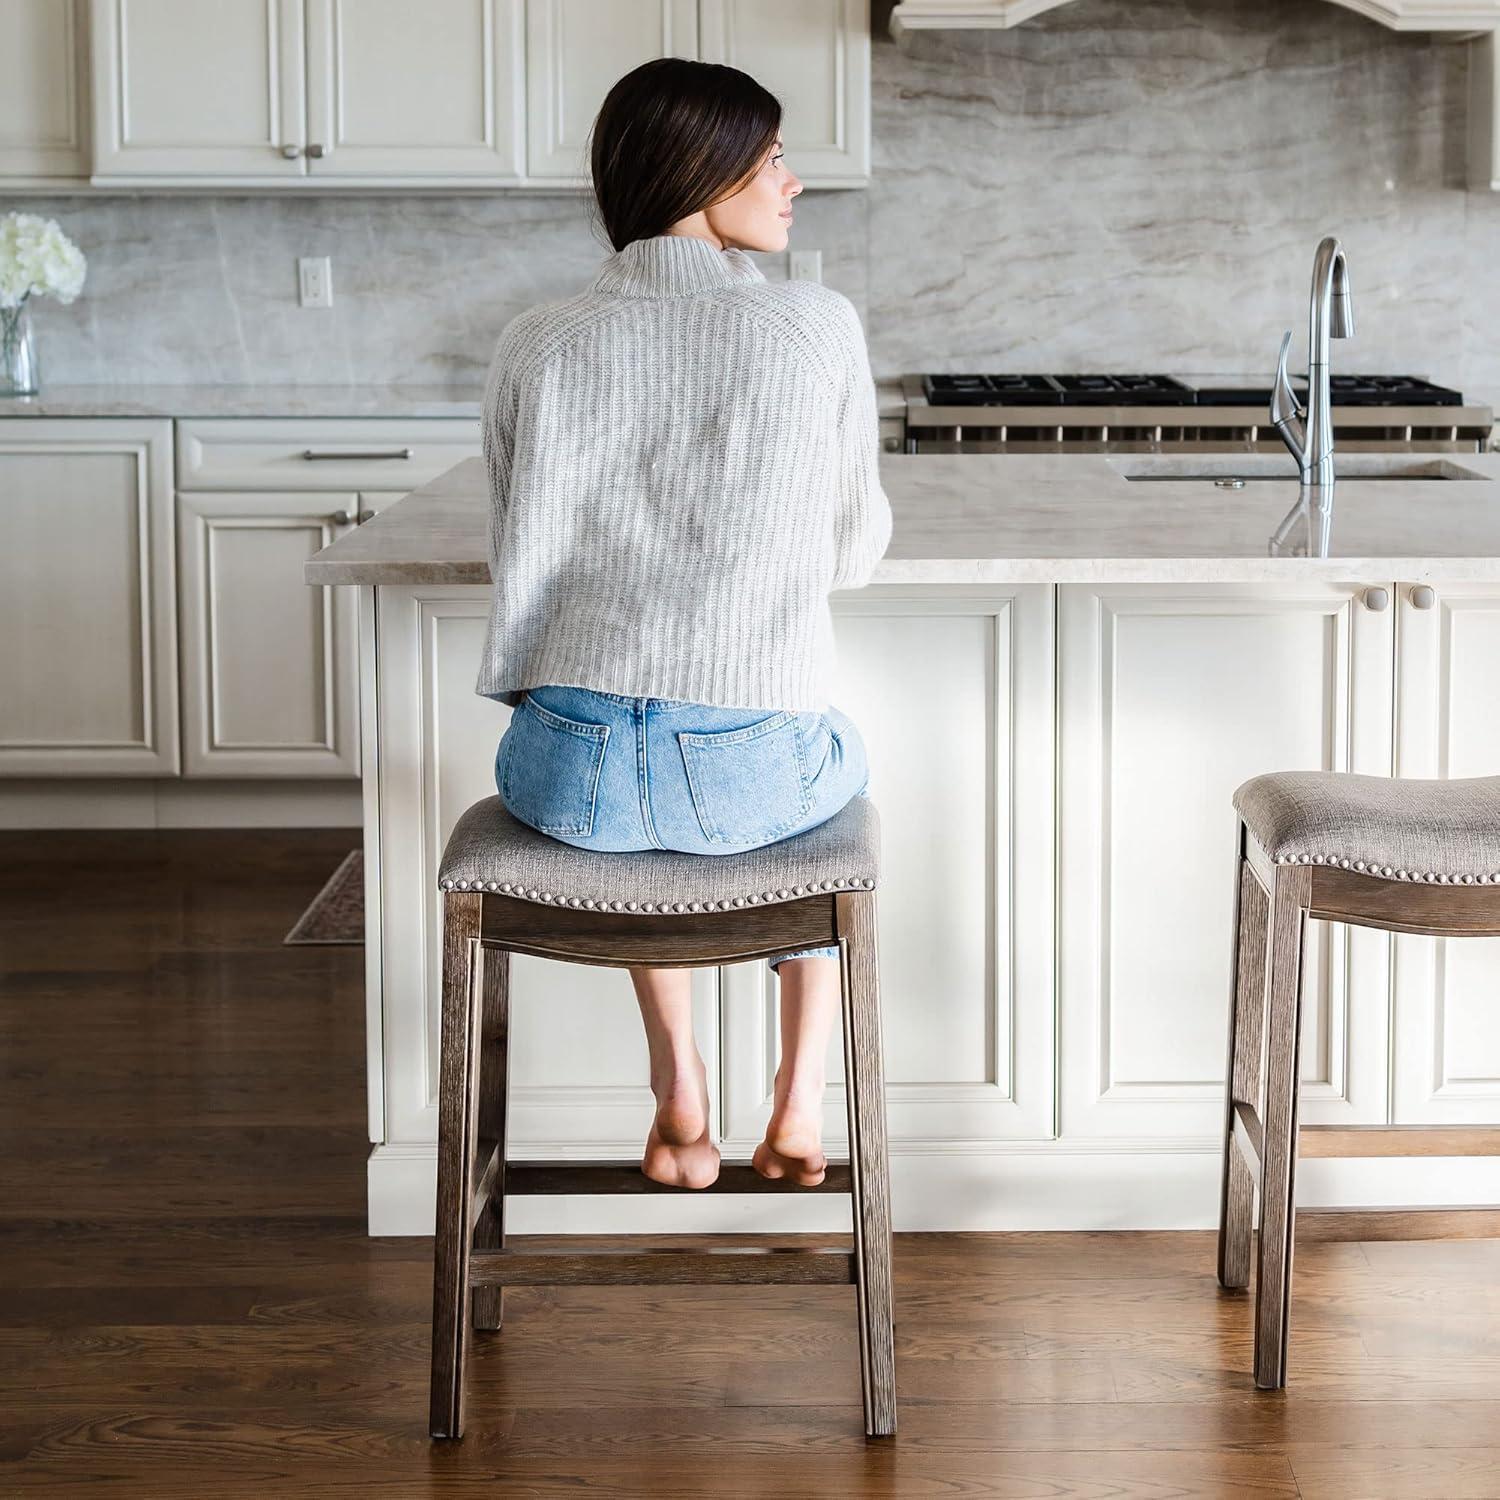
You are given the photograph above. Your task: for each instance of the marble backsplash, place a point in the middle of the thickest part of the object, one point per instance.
(1119, 184)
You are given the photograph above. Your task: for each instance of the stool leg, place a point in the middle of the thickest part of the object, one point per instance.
(869, 1163)
(457, 1101)
(1291, 891)
(1247, 998)
(494, 1065)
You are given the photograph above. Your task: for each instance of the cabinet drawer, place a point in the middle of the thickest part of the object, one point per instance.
(353, 453)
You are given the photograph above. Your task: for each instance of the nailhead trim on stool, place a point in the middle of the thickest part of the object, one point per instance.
(505, 888)
(1386, 872)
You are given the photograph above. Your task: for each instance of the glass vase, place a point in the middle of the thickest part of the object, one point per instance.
(19, 373)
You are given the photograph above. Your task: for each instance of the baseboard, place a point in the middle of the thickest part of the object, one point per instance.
(173, 802)
(1029, 1188)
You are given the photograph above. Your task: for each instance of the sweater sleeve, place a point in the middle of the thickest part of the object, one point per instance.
(862, 514)
(497, 431)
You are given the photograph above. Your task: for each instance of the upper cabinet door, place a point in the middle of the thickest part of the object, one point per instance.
(44, 114)
(575, 51)
(426, 91)
(184, 89)
(814, 55)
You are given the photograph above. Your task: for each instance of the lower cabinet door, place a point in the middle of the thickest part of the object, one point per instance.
(580, 1072)
(1171, 695)
(88, 609)
(1446, 1055)
(951, 689)
(269, 662)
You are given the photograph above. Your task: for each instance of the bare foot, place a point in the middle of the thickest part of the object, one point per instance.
(794, 1139)
(679, 1149)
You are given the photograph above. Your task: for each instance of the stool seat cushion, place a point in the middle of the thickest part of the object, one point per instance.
(1399, 828)
(491, 850)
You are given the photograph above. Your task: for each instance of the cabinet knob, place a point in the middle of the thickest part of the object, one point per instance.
(1377, 599)
(291, 152)
(341, 518)
(316, 150)
(1422, 596)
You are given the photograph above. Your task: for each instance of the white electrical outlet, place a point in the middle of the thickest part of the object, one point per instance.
(314, 281)
(805, 265)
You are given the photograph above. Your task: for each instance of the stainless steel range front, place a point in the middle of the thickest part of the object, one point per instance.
(1167, 414)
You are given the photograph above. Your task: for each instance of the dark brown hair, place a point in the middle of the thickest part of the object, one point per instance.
(674, 136)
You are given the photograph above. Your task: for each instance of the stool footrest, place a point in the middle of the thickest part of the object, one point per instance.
(523, 1178)
(800, 1264)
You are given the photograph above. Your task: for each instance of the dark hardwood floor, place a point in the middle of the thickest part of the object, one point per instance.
(190, 1306)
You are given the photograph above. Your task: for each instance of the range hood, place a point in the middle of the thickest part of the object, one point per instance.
(1474, 21)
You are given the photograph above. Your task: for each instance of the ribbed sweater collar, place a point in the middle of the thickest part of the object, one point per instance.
(667, 265)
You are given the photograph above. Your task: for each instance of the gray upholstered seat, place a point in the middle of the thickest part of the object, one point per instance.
(491, 850)
(1399, 828)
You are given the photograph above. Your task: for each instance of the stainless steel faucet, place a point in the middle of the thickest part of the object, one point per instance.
(1330, 315)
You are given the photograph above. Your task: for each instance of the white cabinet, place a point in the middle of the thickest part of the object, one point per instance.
(1446, 1053)
(44, 108)
(575, 51)
(184, 89)
(1170, 695)
(269, 667)
(951, 689)
(304, 90)
(308, 94)
(814, 55)
(88, 676)
(957, 678)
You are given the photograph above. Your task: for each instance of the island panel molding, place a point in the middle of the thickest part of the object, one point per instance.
(966, 869)
(1446, 1051)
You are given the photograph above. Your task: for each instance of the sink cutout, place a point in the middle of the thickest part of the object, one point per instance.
(1254, 469)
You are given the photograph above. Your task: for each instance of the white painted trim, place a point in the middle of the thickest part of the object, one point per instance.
(954, 1186)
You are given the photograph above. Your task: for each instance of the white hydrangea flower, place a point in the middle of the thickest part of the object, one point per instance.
(36, 256)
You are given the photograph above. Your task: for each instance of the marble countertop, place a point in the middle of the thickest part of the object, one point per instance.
(992, 518)
(460, 399)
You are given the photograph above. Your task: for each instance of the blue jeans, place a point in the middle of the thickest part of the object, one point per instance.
(668, 774)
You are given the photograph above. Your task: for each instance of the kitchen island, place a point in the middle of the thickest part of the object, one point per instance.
(1110, 650)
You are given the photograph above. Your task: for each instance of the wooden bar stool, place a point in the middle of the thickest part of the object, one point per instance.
(1400, 854)
(509, 889)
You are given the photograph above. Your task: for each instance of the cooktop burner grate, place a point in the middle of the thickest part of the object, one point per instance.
(1167, 390)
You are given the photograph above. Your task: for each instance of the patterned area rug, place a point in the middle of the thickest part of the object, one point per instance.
(337, 913)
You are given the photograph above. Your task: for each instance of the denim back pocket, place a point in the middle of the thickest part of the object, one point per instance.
(749, 785)
(549, 772)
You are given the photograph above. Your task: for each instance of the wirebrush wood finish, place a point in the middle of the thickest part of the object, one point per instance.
(1273, 903)
(472, 1263)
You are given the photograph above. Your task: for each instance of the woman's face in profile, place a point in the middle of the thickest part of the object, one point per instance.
(759, 215)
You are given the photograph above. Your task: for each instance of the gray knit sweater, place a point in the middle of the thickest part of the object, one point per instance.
(683, 461)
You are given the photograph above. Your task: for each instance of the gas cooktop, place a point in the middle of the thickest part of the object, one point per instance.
(1167, 390)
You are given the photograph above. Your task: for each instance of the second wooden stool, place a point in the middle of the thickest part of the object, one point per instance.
(1400, 854)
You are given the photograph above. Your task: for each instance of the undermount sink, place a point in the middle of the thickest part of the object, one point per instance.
(1229, 472)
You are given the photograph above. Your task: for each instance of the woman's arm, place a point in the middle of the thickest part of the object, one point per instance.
(862, 513)
(497, 430)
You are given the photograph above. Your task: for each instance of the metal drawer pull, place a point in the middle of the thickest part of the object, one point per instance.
(315, 150)
(1423, 597)
(1377, 599)
(291, 152)
(399, 453)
